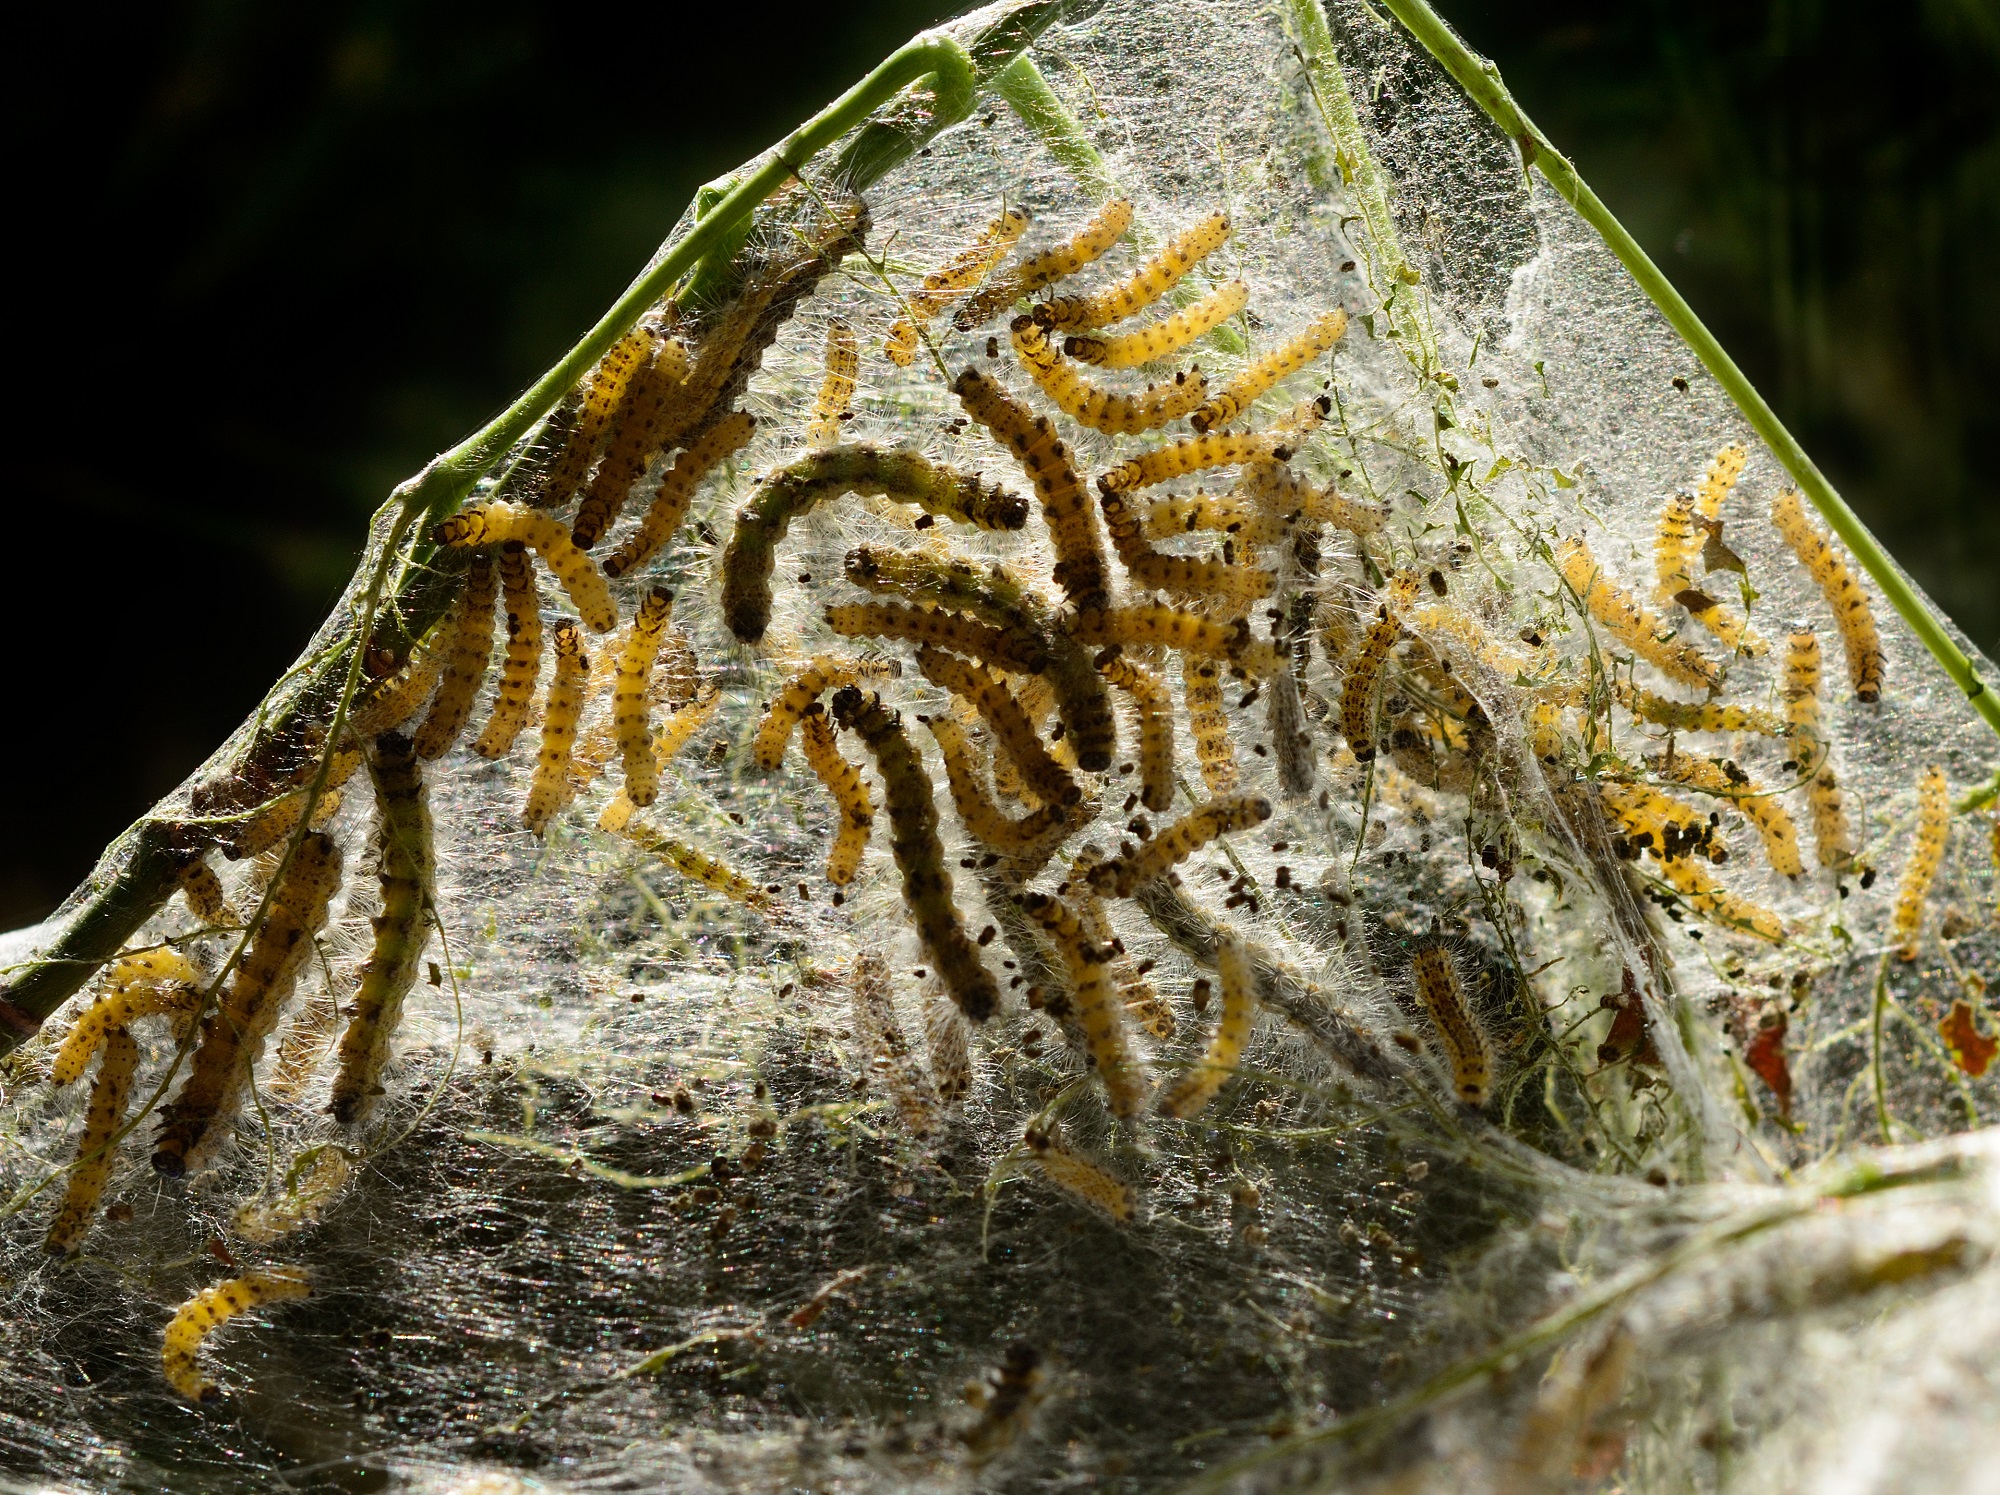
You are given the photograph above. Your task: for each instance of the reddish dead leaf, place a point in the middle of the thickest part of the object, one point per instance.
(1628, 1038)
(1765, 1054)
(1971, 1050)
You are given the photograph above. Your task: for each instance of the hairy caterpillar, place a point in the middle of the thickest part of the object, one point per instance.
(1240, 393)
(663, 516)
(203, 891)
(548, 792)
(890, 1060)
(1705, 716)
(949, 281)
(1833, 842)
(1216, 449)
(96, 1150)
(913, 838)
(148, 984)
(1709, 898)
(1120, 876)
(1843, 592)
(1208, 725)
(1774, 825)
(1467, 1048)
(1079, 567)
(1720, 479)
(1152, 625)
(1093, 1003)
(929, 625)
(850, 795)
(1143, 287)
(823, 672)
(1136, 994)
(637, 432)
(602, 393)
(274, 824)
(1675, 550)
(522, 601)
(669, 738)
(836, 392)
(629, 713)
(311, 1184)
(983, 820)
(1156, 728)
(247, 1011)
(1087, 245)
(1291, 741)
(1627, 621)
(1545, 731)
(392, 701)
(1168, 335)
(1359, 687)
(1174, 573)
(579, 575)
(1191, 1094)
(1250, 524)
(1048, 779)
(406, 868)
(1077, 1175)
(991, 593)
(470, 635)
(1926, 856)
(207, 1311)
(697, 866)
(1102, 409)
(1660, 824)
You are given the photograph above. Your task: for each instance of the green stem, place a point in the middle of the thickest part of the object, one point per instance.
(1481, 80)
(1028, 93)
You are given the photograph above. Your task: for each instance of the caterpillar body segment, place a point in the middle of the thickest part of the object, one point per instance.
(1151, 625)
(1000, 648)
(1196, 454)
(894, 1066)
(1208, 726)
(665, 514)
(669, 738)
(521, 600)
(274, 824)
(1066, 508)
(991, 593)
(233, 1040)
(1467, 1049)
(468, 647)
(822, 673)
(1926, 856)
(1545, 731)
(96, 1150)
(1174, 573)
(849, 793)
(1077, 1175)
(1626, 620)
(1027, 838)
(1276, 366)
(1135, 993)
(835, 401)
(629, 713)
(1710, 899)
(602, 394)
(549, 790)
(698, 866)
(1048, 779)
(913, 839)
(390, 702)
(497, 523)
(151, 983)
(1704, 716)
(202, 890)
(207, 1311)
(1143, 287)
(1291, 740)
(1122, 875)
(1248, 523)
(1833, 842)
(312, 1182)
(1094, 1003)
(1669, 828)
(1773, 823)
(951, 280)
(1156, 729)
(1720, 480)
(1361, 684)
(1675, 550)
(1843, 591)
(641, 428)
(1059, 261)
(406, 870)
(1128, 350)
(1190, 1095)
(1102, 409)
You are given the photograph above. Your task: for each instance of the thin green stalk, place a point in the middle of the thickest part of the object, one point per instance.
(1028, 93)
(1481, 80)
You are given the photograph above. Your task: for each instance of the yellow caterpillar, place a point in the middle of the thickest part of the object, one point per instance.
(1102, 409)
(1774, 825)
(522, 602)
(1467, 1049)
(148, 984)
(1151, 625)
(663, 516)
(836, 391)
(890, 1060)
(603, 392)
(850, 795)
(823, 672)
(1077, 1175)
(1093, 1004)
(207, 1311)
(1156, 728)
(1666, 827)
(405, 869)
(1833, 842)
(245, 1014)
(497, 523)
(1058, 262)
(1208, 725)
(548, 792)
(1123, 875)
(1215, 449)
(1675, 549)
(470, 632)
(1143, 287)
(1842, 590)
(629, 713)
(1705, 716)
(311, 1184)
(949, 281)
(1136, 994)
(1707, 897)
(1360, 686)
(698, 866)
(274, 824)
(983, 820)
(1240, 393)
(1926, 856)
(638, 431)
(1173, 573)
(1191, 1094)
(997, 647)
(1247, 522)
(390, 702)
(672, 735)
(996, 705)
(1627, 621)
(913, 838)
(1169, 335)
(95, 1149)
(203, 891)
(1720, 481)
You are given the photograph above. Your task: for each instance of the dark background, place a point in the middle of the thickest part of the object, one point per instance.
(280, 255)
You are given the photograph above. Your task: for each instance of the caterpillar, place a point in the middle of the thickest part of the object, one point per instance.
(983, 820)
(663, 516)
(1174, 573)
(1152, 625)
(1048, 779)
(1467, 1049)
(311, 1184)
(913, 839)
(1007, 1402)
(1208, 725)
(639, 430)
(629, 709)
(1079, 566)
(1169, 335)
(1093, 1003)
(822, 673)
(698, 866)
(1136, 995)
(991, 593)
(1058, 262)
(470, 635)
(392, 701)
(1655, 822)
(1709, 898)
(406, 866)
(548, 791)
(203, 891)
(672, 735)
(1076, 1175)
(929, 625)
(1926, 856)
(603, 391)
(1143, 287)
(1852, 614)
(1705, 716)
(148, 984)
(207, 1311)
(1545, 731)
(1627, 621)
(1276, 366)
(947, 1045)
(1216, 449)
(1223, 816)
(1675, 550)
(1102, 409)
(521, 599)
(1246, 522)
(751, 555)
(1156, 728)
(1291, 742)
(1191, 1094)
(1359, 687)
(1774, 825)
(578, 574)
(949, 281)
(850, 795)
(1716, 485)
(96, 1149)
(244, 1016)
(1833, 842)
(890, 1061)
(836, 392)
(274, 824)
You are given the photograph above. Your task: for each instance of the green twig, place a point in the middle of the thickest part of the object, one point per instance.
(1028, 93)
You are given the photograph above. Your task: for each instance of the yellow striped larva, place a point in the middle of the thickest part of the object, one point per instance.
(913, 838)
(96, 1149)
(603, 392)
(522, 601)
(549, 790)
(1216, 449)
(951, 280)
(1703, 716)
(1058, 262)
(310, 1186)
(1076, 1175)
(1467, 1049)
(1142, 1003)
(1360, 687)
(578, 574)
(1026, 838)
(1181, 575)
(274, 824)
(1843, 592)
(148, 984)
(1093, 1003)
(389, 702)
(1248, 523)
(201, 1113)
(1720, 479)
(203, 891)
(891, 1063)
(1102, 409)
(1545, 731)
(639, 429)
(1833, 841)
(823, 672)
(1675, 549)
(1153, 625)
(470, 632)
(697, 866)
(1627, 621)
(1208, 726)
(836, 392)
(1276, 366)
(669, 738)
(1156, 728)
(1774, 825)
(1128, 350)
(1123, 875)
(207, 1311)
(1709, 898)
(1016, 734)
(850, 796)
(1190, 1095)
(1926, 856)
(1655, 822)
(1143, 287)
(1000, 648)
(663, 516)
(629, 714)
(406, 868)
(993, 593)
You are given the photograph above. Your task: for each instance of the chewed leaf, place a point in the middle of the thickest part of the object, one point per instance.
(1971, 1050)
